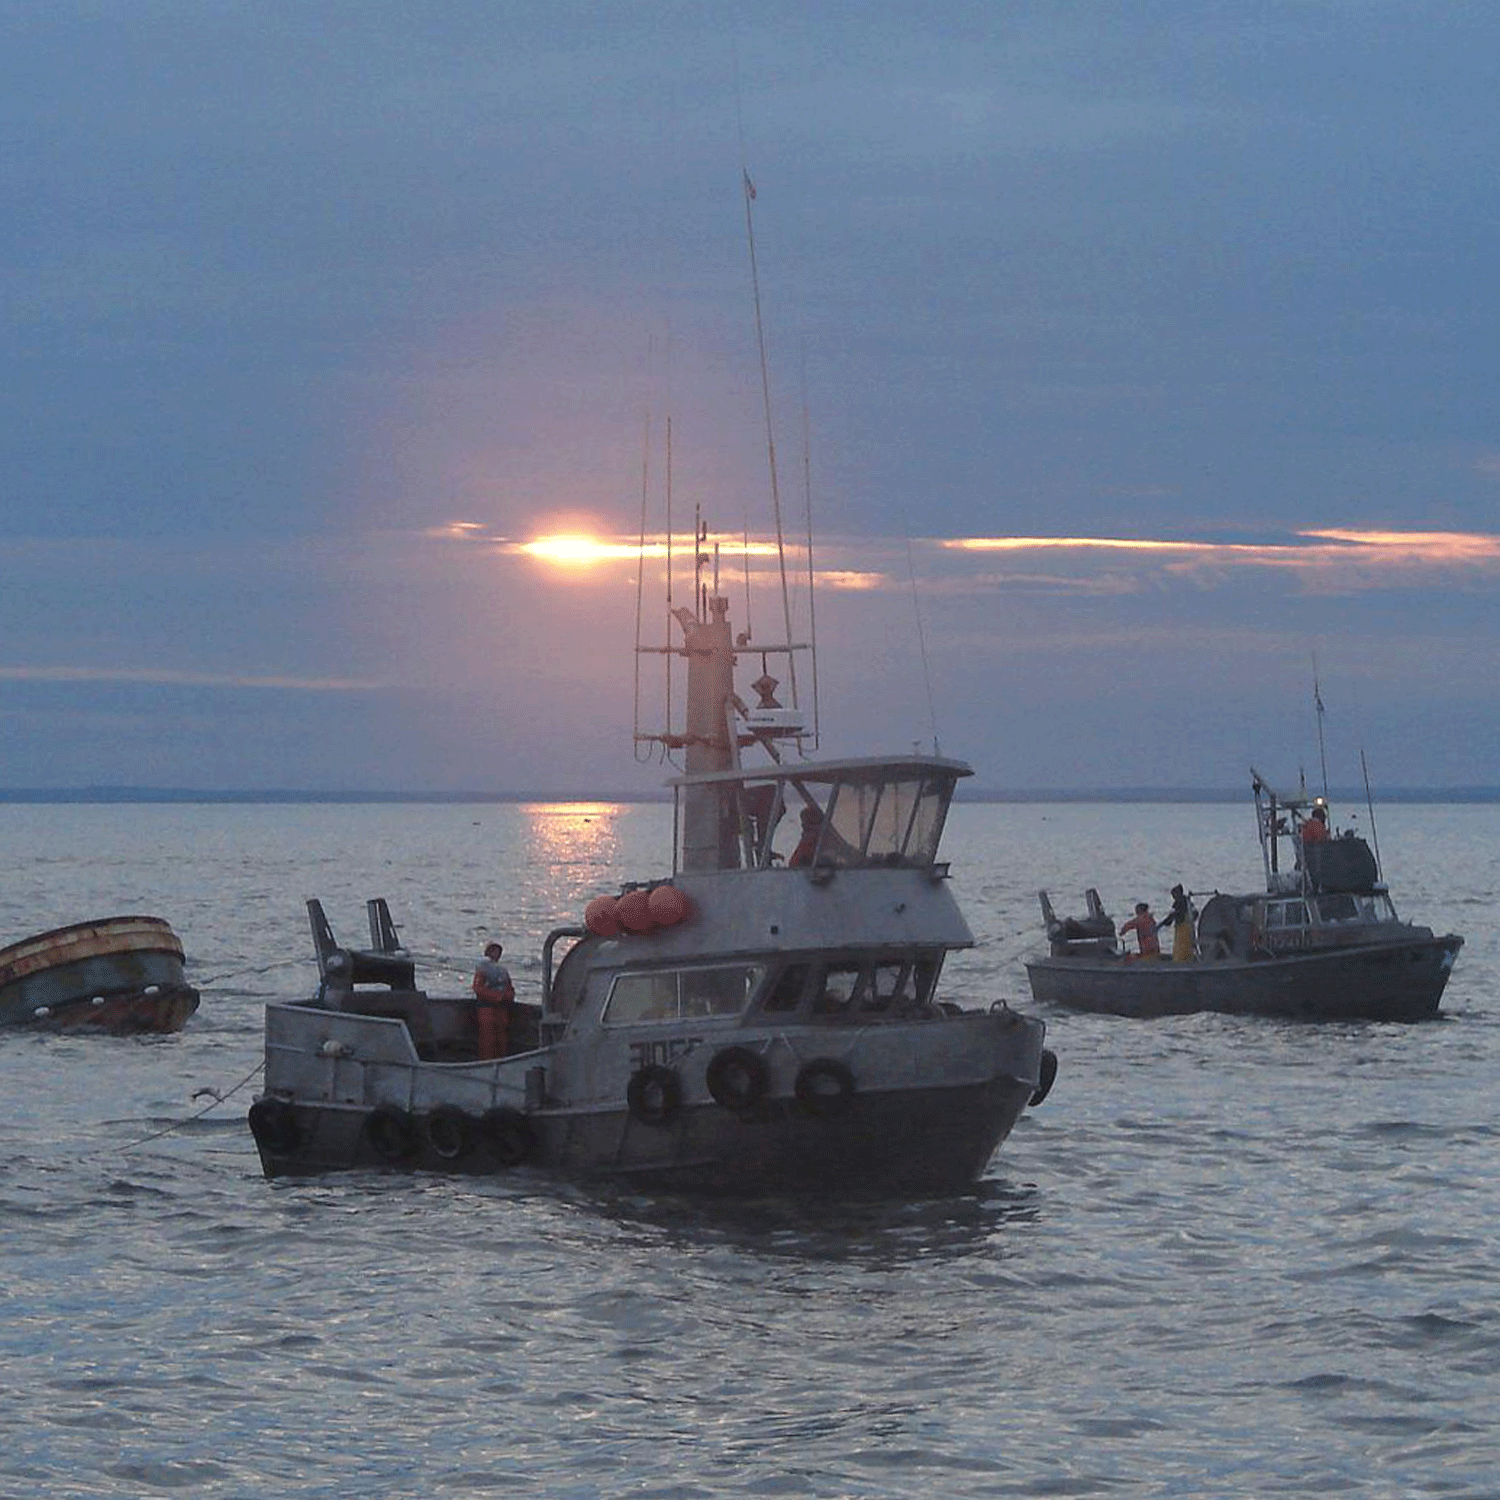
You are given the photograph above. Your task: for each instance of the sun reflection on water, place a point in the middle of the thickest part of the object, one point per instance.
(573, 833)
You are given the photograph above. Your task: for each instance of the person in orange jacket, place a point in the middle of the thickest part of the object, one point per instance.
(1143, 924)
(494, 997)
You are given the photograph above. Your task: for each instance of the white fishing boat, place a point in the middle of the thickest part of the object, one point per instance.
(744, 1021)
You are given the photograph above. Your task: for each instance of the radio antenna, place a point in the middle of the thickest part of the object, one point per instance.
(1318, 702)
(916, 605)
(1370, 803)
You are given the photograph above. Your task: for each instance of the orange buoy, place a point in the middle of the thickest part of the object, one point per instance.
(601, 917)
(667, 905)
(633, 912)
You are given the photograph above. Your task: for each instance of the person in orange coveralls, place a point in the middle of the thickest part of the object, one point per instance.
(494, 996)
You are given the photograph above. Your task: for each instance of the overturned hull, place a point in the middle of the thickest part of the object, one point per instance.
(118, 975)
(1387, 981)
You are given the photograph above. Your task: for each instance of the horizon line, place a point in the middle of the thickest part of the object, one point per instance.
(146, 795)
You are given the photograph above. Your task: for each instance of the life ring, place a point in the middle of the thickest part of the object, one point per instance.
(391, 1132)
(273, 1123)
(1046, 1077)
(824, 1087)
(654, 1095)
(738, 1078)
(449, 1132)
(508, 1134)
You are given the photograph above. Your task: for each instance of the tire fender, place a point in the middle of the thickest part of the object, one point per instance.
(654, 1095)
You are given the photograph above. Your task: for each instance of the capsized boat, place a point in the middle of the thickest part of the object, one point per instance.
(1321, 942)
(760, 1020)
(120, 975)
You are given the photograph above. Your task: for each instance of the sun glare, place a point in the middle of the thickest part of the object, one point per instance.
(575, 550)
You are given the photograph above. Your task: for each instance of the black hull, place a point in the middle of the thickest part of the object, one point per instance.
(914, 1143)
(1401, 981)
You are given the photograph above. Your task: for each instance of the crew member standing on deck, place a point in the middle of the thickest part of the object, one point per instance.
(494, 997)
(1180, 920)
(1315, 829)
(1143, 924)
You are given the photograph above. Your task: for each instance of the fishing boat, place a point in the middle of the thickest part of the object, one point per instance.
(119, 975)
(756, 1019)
(1321, 942)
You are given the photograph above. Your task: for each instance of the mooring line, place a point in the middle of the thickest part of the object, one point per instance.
(216, 1098)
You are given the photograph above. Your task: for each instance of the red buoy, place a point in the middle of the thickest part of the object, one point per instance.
(633, 912)
(667, 905)
(601, 917)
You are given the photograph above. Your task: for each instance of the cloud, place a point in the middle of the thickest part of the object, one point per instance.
(167, 677)
(1328, 558)
(1331, 558)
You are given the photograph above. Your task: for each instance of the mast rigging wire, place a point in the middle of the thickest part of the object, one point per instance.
(640, 585)
(812, 613)
(911, 568)
(765, 388)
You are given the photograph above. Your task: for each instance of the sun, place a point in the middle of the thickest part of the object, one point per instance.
(576, 550)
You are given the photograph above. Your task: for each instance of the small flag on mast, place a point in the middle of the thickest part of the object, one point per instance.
(749, 186)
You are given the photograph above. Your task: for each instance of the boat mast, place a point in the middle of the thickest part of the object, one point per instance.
(709, 838)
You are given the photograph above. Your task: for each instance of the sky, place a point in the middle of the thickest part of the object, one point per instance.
(1134, 363)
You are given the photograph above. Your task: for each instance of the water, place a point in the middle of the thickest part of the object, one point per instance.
(1226, 1257)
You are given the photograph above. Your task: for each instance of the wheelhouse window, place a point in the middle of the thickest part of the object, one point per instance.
(858, 987)
(836, 814)
(785, 995)
(680, 994)
(1281, 915)
(896, 820)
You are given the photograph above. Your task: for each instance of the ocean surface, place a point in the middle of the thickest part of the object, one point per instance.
(1225, 1257)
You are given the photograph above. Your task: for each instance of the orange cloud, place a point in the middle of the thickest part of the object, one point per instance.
(1330, 549)
(1330, 557)
(1420, 546)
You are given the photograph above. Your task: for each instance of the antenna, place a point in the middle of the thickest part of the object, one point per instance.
(1318, 701)
(640, 580)
(812, 613)
(1369, 803)
(911, 568)
(667, 657)
(745, 563)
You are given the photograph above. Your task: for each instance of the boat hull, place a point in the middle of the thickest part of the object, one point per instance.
(926, 1107)
(118, 975)
(1395, 981)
